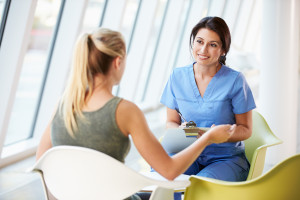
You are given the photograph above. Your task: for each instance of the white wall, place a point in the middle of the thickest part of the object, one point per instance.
(279, 74)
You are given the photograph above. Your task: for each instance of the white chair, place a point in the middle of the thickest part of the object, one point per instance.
(76, 173)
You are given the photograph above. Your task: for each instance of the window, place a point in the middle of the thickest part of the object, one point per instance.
(33, 72)
(165, 56)
(147, 32)
(2, 5)
(3, 14)
(93, 15)
(152, 49)
(129, 19)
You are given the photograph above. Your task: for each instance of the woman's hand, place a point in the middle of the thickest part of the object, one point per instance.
(220, 133)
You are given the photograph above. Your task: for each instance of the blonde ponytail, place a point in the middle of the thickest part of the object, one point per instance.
(93, 54)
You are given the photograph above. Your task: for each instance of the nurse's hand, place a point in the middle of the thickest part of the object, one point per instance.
(220, 133)
(201, 132)
(183, 125)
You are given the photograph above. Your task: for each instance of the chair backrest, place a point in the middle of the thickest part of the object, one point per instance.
(73, 173)
(256, 146)
(281, 182)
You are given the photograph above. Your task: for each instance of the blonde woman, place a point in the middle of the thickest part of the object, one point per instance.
(89, 115)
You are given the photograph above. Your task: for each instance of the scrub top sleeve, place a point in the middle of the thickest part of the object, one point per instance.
(242, 98)
(168, 97)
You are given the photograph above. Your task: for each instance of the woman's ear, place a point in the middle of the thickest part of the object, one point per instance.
(117, 62)
(223, 52)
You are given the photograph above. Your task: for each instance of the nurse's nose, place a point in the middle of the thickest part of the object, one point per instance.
(203, 48)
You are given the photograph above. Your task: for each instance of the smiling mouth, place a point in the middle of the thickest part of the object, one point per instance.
(202, 57)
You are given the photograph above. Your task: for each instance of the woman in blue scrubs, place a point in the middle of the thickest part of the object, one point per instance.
(210, 93)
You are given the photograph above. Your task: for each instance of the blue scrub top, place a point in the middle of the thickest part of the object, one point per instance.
(227, 94)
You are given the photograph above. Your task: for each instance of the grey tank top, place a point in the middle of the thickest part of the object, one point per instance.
(98, 131)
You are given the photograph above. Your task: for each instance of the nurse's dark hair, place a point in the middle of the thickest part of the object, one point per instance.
(219, 26)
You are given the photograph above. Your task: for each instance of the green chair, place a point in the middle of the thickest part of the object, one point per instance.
(280, 182)
(256, 146)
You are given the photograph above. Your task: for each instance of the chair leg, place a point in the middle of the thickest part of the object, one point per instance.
(47, 193)
(44, 186)
(162, 193)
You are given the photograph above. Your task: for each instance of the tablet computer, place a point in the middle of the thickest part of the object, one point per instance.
(175, 140)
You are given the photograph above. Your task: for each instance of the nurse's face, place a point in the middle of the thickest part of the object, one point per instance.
(207, 47)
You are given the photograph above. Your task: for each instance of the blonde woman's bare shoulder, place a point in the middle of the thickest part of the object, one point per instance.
(128, 115)
(128, 108)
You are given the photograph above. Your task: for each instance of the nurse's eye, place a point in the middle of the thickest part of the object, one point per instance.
(199, 41)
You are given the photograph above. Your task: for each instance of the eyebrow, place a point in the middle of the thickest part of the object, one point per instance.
(209, 41)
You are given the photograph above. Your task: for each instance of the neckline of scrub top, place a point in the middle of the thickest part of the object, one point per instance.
(210, 87)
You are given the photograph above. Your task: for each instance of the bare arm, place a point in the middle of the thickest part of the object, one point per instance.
(131, 120)
(173, 118)
(45, 142)
(244, 127)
